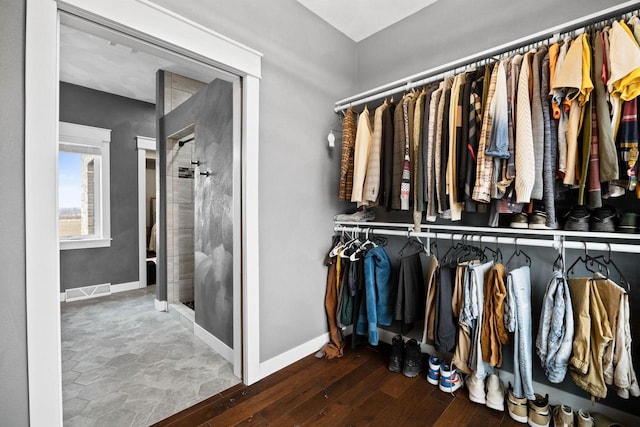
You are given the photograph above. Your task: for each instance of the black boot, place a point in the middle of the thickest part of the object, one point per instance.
(397, 353)
(412, 359)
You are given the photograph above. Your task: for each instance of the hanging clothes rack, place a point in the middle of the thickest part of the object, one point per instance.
(555, 239)
(425, 77)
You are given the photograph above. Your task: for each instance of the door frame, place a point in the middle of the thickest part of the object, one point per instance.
(152, 23)
(143, 145)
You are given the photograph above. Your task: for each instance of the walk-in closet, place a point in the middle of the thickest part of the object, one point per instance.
(490, 236)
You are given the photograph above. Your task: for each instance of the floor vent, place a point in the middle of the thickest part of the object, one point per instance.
(87, 292)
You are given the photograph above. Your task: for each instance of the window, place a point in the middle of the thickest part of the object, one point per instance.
(83, 187)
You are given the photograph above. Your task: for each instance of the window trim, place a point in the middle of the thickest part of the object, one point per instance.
(72, 133)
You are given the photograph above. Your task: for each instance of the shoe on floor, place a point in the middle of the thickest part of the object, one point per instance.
(563, 416)
(539, 414)
(495, 393)
(577, 219)
(475, 386)
(412, 359)
(519, 220)
(538, 221)
(450, 379)
(517, 407)
(604, 219)
(397, 353)
(433, 374)
(358, 216)
(584, 419)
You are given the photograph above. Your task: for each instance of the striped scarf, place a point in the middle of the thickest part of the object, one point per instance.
(405, 186)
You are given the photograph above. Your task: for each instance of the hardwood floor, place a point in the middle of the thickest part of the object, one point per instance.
(355, 390)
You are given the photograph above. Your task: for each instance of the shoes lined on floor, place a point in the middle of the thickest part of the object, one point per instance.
(405, 357)
(450, 378)
(517, 407)
(495, 393)
(433, 374)
(475, 387)
(539, 414)
(563, 416)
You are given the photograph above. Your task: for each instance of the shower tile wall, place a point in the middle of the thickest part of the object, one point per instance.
(179, 198)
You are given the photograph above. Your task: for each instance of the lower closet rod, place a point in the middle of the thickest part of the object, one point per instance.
(555, 243)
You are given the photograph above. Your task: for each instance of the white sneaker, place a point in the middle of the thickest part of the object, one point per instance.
(495, 393)
(358, 216)
(476, 389)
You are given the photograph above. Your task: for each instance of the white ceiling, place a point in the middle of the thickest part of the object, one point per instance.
(101, 59)
(358, 19)
(105, 60)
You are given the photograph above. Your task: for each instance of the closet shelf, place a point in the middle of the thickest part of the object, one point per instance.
(557, 239)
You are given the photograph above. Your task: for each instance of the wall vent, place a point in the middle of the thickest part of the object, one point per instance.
(87, 292)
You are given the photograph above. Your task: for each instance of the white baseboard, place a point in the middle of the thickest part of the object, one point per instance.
(556, 396)
(160, 305)
(285, 359)
(120, 287)
(218, 346)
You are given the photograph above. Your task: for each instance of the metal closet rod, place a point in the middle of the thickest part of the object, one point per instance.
(440, 71)
(546, 241)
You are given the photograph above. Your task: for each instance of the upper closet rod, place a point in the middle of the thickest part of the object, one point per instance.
(421, 78)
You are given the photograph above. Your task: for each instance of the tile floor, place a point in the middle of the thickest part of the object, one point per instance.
(126, 364)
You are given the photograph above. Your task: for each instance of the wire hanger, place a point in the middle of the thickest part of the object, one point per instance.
(415, 241)
(609, 262)
(518, 253)
(590, 263)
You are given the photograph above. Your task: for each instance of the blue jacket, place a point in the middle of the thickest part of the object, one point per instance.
(378, 308)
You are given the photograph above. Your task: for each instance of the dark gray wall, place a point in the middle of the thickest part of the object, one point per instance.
(14, 403)
(127, 118)
(307, 66)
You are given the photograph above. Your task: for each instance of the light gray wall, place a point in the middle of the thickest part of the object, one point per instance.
(127, 118)
(307, 66)
(452, 29)
(14, 404)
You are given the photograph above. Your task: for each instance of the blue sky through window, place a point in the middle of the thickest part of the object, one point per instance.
(69, 165)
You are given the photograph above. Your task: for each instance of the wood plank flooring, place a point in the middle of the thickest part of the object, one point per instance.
(355, 390)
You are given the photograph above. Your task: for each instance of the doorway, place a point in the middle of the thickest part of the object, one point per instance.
(150, 22)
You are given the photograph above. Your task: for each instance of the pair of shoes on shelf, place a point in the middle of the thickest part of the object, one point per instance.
(493, 396)
(583, 419)
(534, 412)
(444, 375)
(604, 219)
(535, 221)
(629, 223)
(405, 357)
(358, 216)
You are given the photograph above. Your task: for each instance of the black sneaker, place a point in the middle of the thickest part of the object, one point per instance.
(604, 219)
(397, 353)
(628, 223)
(412, 359)
(519, 220)
(577, 219)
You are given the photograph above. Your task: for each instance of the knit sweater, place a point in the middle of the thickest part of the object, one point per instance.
(525, 157)
(537, 124)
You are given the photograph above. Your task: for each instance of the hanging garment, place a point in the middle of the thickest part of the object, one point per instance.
(494, 333)
(474, 126)
(377, 294)
(627, 143)
(348, 148)
(410, 296)
(387, 155)
(416, 151)
(595, 193)
(525, 157)
(445, 210)
(430, 303)
(439, 156)
(591, 338)
(444, 322)
(586, 152)
(555, 330)
(408, 107)
(427, 127)
(608, 170)
(473, 314)
(465, 325)
(452, 158)
(624, 81)
(364, 136)
(484, 167)
(372, 177)
(617, 362)
(430, 180)
(518, 321)
(402, 141)
(550, 147)
(537, 123)
(357, 284)
(335, 347)
(561, 110)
